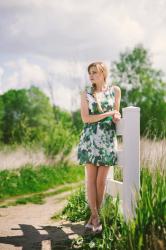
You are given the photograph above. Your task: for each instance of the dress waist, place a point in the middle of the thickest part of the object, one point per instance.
(106, 123)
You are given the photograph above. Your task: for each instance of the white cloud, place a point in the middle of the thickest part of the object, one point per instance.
(1, 73)
(62, 37)
(23, 73)
(66, 98)
(60, 74)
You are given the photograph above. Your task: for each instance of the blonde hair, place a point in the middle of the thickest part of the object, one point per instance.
(101, 67)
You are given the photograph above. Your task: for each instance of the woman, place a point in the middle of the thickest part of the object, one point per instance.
(97, 148)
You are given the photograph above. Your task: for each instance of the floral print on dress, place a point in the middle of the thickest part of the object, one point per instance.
(98, 140)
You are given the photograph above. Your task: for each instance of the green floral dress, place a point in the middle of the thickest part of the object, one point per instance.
(98, 140)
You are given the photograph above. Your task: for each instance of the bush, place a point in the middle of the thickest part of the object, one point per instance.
(77, 208)
(59, 140)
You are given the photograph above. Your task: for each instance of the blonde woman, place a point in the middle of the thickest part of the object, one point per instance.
(97, 149)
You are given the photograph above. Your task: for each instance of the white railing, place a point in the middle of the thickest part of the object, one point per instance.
(129, 160)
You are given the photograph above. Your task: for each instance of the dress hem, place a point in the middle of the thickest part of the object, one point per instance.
(97, 165)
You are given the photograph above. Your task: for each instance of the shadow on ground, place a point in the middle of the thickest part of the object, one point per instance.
(58, 237)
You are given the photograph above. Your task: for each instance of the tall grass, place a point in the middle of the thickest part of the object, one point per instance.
(146, 231)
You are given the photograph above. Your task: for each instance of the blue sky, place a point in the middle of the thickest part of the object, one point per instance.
(52, 42)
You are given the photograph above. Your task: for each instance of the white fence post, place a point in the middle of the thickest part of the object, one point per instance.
(131, 168)
(129, 160)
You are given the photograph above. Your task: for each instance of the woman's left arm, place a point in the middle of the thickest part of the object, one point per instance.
(117, 92)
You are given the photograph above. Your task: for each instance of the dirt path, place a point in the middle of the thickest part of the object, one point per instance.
(31, 227)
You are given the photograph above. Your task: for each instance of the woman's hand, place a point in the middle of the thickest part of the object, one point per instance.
(116, 117)
(112, 113)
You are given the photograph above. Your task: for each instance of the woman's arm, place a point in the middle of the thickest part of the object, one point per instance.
(86, 118)
(117, 91)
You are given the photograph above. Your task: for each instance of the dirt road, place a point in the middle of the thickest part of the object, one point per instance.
(31, 227)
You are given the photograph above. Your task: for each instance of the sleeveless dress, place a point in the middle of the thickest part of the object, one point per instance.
(98, 140)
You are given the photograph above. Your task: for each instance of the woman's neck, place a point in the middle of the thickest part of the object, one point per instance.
(102, 87)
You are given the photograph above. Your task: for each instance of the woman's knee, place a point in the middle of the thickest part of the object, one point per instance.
(100, 182)
(101, 177)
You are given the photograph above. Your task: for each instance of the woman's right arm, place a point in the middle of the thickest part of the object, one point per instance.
(86, 118)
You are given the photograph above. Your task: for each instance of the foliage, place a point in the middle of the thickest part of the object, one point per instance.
(77, 121)
(30, 179)
(27, 115)
(62, 116)
(147, 230)
(1, 117)
(59, 140)
(77, 208)
(142, 86)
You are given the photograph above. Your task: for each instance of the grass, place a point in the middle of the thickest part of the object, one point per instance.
(147, 231)
(39, 197)
(36, 199)
(77, 208)
(29, 179)
(77, 200)
(153, 153)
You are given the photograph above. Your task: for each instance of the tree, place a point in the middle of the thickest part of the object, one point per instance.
(27, 115)
(142, 86)
(1, 117)
(77, 121)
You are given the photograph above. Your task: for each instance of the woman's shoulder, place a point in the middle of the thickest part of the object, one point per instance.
(116, 88)
(116, 91)
(86, 90)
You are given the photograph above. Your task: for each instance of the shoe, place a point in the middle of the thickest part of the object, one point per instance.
(97, 227)
(88, 225)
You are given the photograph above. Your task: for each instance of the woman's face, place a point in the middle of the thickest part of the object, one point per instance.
(95, 76)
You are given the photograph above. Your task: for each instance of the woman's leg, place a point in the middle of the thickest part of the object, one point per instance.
(101, 181)
(91, 171)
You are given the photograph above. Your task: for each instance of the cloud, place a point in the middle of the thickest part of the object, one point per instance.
(1, 72)
(22, 74)
(70, 29)
(62, 78)
(43, 40)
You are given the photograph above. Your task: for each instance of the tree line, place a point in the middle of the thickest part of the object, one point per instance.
(27, 116)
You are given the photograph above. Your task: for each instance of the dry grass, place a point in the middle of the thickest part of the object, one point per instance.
(153, 153)
(16, 157)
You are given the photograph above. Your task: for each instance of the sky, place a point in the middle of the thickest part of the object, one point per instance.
(50, 43)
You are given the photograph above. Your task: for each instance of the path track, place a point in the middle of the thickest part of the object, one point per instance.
(31, 227)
